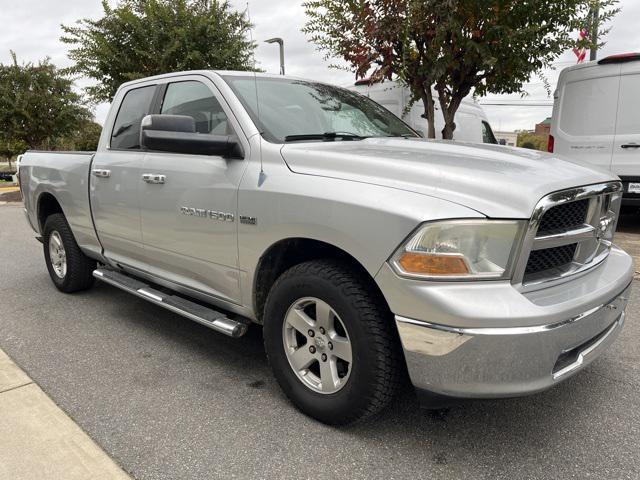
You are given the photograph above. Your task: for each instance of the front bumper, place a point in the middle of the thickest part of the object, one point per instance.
(484, 341)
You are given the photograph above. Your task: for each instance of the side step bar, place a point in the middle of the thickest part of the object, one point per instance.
(206, 316)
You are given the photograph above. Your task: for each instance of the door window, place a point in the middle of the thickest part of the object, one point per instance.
(629, 113)
(196, 100)
(126, 129)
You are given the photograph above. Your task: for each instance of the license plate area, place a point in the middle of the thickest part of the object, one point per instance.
(634, 187)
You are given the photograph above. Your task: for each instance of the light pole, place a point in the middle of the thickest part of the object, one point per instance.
(280, 42)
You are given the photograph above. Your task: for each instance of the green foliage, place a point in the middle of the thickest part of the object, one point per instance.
(139, 38)
(37, 107)
(457, 47)
(596, 24)
(83, 138)
(532, 141)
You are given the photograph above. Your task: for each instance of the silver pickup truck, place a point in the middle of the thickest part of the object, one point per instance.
(364, 251)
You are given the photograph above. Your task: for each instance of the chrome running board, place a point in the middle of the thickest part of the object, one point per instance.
(206, 316)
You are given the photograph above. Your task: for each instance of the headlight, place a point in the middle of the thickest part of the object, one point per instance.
(460, 249)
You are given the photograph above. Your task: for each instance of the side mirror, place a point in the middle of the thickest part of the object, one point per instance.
(177, 133)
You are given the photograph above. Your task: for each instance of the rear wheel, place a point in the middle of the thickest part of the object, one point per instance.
(69, 268)
(331, 342)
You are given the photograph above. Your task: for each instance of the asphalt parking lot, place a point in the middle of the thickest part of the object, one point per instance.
(170, 399)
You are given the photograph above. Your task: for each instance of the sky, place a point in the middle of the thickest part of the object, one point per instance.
(31, 28)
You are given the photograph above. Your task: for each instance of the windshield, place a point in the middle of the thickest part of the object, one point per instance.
(300, 110)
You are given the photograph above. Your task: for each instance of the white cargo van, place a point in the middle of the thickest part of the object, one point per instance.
(472, 124)
(596, 118)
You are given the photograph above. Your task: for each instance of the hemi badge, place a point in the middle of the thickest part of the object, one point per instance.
(248, 220)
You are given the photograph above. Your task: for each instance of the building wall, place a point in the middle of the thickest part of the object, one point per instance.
(510, 138)
(543, 129)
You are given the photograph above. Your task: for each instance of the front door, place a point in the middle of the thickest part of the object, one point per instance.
(114, 184)
(188, 202)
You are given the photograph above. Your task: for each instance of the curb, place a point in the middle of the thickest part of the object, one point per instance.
(38, 440)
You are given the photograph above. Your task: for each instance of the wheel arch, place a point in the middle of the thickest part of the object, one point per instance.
(288, 252)
(47, 205)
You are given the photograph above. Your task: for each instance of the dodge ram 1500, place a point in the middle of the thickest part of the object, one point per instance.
(364, 251)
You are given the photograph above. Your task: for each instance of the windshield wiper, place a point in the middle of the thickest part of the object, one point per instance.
(403, 135)
(324, 136)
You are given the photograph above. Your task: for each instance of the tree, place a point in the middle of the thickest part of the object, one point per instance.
(139, 38)
(84, 137)
(457, 47)
(37, 106)
(532, 141)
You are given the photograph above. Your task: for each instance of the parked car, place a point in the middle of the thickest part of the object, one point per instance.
(6, 176)
(472, 124)
(363, 250)
(596, 118)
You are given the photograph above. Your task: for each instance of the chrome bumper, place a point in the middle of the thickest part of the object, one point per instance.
(489, 339)
(504, 362)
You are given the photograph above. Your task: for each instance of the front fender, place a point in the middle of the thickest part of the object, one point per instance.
(366, 221)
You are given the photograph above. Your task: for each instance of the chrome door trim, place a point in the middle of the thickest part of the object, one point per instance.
(154, 178)
(101, 173)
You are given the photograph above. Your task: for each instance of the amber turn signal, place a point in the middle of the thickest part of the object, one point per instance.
(426, 264)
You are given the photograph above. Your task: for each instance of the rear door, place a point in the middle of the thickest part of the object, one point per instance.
(189, 222)
(626, 149)
(586, 118)
(115, 179)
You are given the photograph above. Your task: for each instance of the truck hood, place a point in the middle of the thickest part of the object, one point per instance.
(497, 181)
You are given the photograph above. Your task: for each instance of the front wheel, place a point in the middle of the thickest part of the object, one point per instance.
(69, 268)
(331, 342)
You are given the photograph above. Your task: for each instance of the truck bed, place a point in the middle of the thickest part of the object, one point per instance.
(65, 175)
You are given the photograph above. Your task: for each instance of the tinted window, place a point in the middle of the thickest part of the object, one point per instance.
(126, 129)
(196, 100)
(589, 106)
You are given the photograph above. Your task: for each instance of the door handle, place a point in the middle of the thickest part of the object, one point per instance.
(154, 178)
(630, 145)
(101, 173)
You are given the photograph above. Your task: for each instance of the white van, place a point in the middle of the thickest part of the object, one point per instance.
(472, 124)
(596, 118)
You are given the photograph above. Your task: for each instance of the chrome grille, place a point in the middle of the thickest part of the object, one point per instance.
(548, 258)
(564, 216)
(566, 234)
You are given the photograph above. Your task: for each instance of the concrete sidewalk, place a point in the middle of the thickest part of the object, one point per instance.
(38, 441)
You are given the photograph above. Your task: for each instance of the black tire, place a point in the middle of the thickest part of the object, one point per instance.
(375, 370)
(79, 267)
